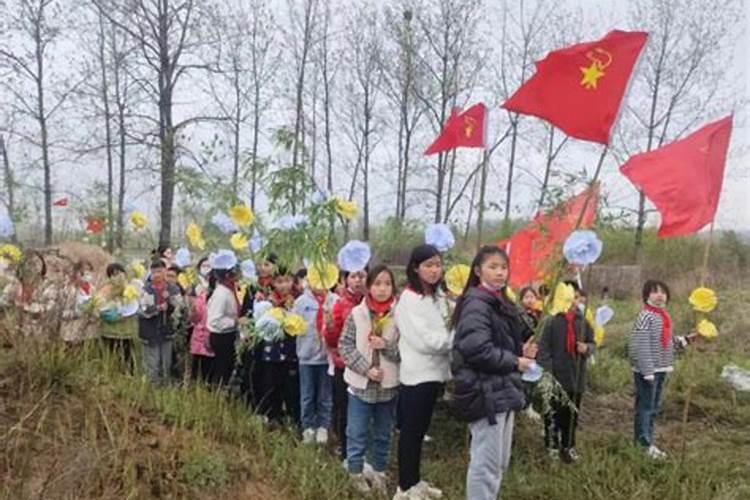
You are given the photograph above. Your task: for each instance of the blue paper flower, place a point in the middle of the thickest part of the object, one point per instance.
(225, 223)
(604, 315)
(582, 248)
(223, 259)
(257, 242)
(354, 256)
(269, 328)
(319, 196)
(291, 222)
(533, 373)
(6, 226)
(182, 257)
(247, 267)
(440, 236)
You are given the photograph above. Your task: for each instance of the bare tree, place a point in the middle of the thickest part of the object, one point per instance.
(451, 65)
(37, 25)
(9, 183)
(685, 70)
(167, 33)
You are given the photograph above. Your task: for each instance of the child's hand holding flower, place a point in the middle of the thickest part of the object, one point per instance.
(377, 343)
(375, 374)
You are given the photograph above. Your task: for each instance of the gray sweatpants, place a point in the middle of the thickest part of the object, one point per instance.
(157, 361)
(489, 456)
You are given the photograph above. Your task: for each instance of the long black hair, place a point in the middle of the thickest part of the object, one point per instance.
(215, 277)
(482, 255)
(420, 254)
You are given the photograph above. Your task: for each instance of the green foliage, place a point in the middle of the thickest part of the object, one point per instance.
(205, 470)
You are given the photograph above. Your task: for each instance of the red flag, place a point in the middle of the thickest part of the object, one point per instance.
(683, 179)
(531, 248)
(94, 225)
(579, 88)
(62, 202)
(461, 130)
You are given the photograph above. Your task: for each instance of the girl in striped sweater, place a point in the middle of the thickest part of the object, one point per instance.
(652, 347)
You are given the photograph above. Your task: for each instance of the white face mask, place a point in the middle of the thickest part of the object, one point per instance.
(582, 308)
(204, 271)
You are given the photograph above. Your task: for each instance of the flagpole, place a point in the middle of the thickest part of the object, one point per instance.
(706, 254)
(482, 190)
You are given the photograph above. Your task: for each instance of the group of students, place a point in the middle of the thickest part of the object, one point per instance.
(375, 358)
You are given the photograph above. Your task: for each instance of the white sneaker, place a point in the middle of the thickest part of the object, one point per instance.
(378, 481)
(367, 469)
(427, 438)
(410, 494)
(656, 453)
(308, 436)
(426, 490)
(531, 414)
(360, 483)
(321, 436)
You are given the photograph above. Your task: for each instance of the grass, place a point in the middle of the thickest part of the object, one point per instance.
(73, 426)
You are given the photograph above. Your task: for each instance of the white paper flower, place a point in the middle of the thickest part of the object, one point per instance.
(354, 256)
(182, 257)
(225, 223)
(222, 259)
(6, 226)
(582, 248)
(440, 236)
(247, 267)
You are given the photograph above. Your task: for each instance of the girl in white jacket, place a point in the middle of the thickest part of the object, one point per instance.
(422, 317)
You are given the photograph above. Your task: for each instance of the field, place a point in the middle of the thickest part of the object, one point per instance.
(73, 426)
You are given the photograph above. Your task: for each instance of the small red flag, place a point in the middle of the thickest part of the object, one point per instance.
(579, 88)
(62, 202)
(461, 130)
(94, 225)
(683, 179)
(531, 248)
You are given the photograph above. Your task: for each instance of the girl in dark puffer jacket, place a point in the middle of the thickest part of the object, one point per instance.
(488, 358)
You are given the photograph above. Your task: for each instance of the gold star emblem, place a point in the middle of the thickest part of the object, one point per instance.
(591, 75)
(469, 126)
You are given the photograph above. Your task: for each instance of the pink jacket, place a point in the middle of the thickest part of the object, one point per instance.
(199, 340)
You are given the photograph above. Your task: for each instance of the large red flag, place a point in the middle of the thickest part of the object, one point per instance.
(683, 179)
(579, 88)
(461, 130)
(532, 248)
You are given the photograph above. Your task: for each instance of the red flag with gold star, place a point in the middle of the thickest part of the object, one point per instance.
(684, 178)
(461, 130)
(579, 89)
(95, 225)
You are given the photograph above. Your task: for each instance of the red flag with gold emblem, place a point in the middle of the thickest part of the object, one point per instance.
(579, 89)
(461, 130)
(95, 225)
(684, 179)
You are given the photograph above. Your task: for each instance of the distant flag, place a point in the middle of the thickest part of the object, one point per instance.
(62, 202)
(684, 178)
(94, 225)
(461, 130)
(579, 88)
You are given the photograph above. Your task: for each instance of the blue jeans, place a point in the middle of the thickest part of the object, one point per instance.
(647, 403)
(369, 425)
(316, 396)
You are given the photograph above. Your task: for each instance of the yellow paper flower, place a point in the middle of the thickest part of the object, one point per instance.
(242, 215)
(346, 209)
(598, 329)
(706, 329)
(138, 220)
(703, 300)
(511, 294)
(238, 241)
(184, 280)
(456, 278)
(277, 313)
(322, 276)
(294, 325)
(130, 293)
(139, 271)
(538, 305)
(564, 297)
(195, 236)
(10, 253)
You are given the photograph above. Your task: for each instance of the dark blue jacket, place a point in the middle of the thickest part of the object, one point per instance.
(154, 325)
(486, 348)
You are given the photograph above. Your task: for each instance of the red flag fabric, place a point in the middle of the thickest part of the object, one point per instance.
(579, 88)
(94, 225)
(531, 248)
(461, 130)
(683, 179)
(62, 202)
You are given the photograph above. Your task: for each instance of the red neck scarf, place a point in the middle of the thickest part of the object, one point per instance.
(279, 300)
(320, 316)
(160, 289)
(265, 282)
(666, 322)
(231, 283)
(379, 309)
(356, 298)
(570, 332)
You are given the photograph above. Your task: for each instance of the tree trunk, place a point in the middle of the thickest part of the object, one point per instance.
(42, 121)
(120, 99)
(366, 173)
(107, 135)
(256, 132)
(482, 191)
(9, 186)
(471, 208)
(547, 168)
(236, 137)
(511, 164)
